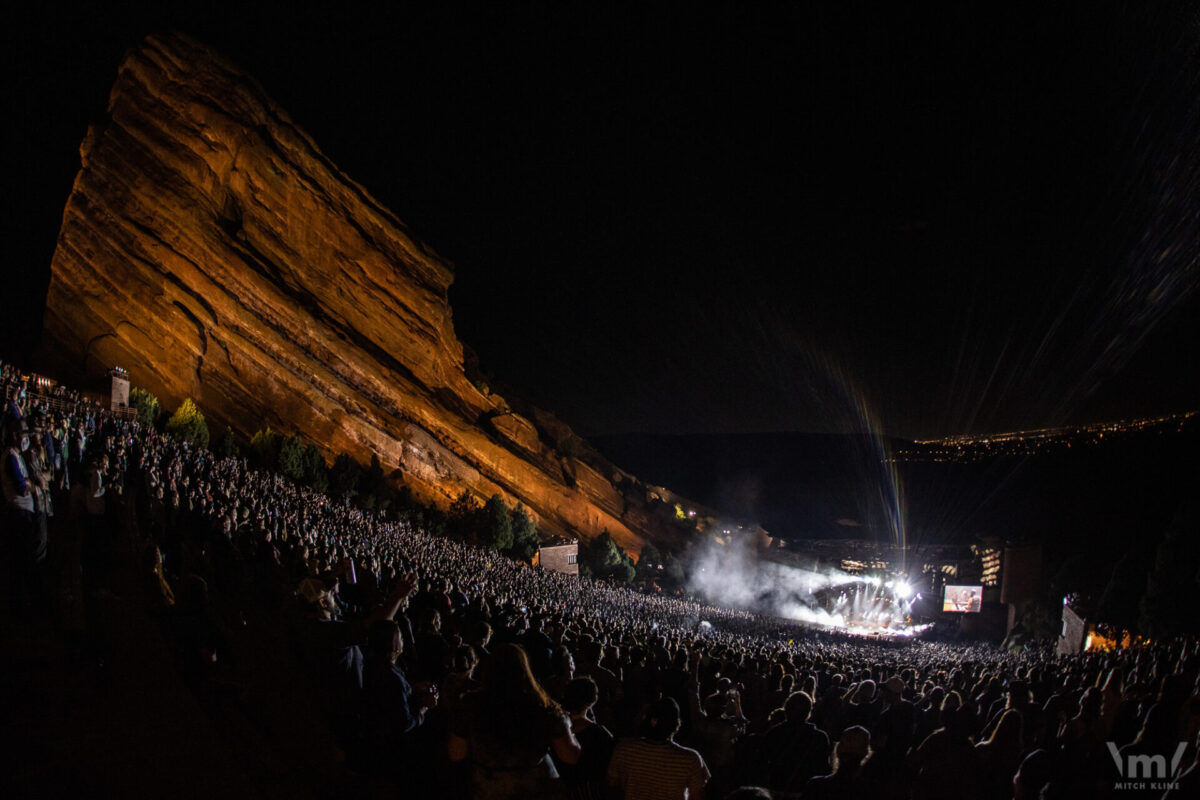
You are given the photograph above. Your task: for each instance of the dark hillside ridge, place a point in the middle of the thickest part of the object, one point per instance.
(801, 485)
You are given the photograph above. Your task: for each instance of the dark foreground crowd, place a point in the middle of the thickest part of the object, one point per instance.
(444, 670)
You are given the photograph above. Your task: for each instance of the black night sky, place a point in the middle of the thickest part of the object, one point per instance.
(962, 219)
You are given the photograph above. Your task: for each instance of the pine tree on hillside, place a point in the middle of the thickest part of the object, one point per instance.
(674, 576)
(464, 519)
(187, 423)
(372, 487)
(146, 404)
(1118, 603)
(264, 448)
(315, 473)
(649, 562)
(1175, 575)
(606, 559)
(497, 530)
(345, 475)
(524, 535)
(227, 446)
(291, 458)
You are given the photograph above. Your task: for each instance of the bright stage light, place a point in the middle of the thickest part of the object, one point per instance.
(904, 590)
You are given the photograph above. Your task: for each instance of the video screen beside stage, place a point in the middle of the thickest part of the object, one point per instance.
(963, 599)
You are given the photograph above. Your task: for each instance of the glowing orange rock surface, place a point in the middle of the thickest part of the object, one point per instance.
(211, 249)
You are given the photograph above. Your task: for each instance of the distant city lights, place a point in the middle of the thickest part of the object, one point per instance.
(975, 447)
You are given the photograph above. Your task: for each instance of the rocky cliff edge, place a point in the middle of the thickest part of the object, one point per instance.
(212, 250)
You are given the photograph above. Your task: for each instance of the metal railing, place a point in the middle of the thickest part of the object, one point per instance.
(62, 405)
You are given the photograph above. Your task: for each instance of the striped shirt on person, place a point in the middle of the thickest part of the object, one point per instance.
(647, 770)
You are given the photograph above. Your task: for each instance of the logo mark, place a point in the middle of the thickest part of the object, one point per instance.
(1145, 766)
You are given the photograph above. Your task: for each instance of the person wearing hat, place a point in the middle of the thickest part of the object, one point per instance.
(18, 490)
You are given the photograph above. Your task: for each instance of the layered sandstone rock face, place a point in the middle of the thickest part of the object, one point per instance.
(211, 249)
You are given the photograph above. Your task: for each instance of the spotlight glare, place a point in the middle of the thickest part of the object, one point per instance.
(903, 589)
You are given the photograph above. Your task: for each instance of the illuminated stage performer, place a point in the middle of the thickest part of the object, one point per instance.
(885, 621)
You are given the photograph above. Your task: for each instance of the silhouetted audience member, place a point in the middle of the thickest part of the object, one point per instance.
(507, 728)
(25, 540)
(847, 781)
(1000, 755)
(795, 750)
(1032, 776)
(654, 767)
(392, 707)
(585, 779)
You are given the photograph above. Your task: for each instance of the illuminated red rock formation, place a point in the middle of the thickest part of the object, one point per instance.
(211, 249)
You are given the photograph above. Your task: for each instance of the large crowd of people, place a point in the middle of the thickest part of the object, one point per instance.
(441, 669)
